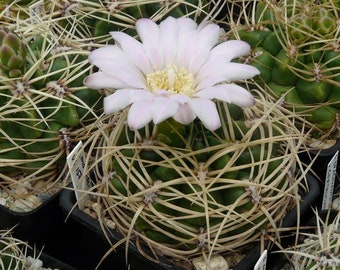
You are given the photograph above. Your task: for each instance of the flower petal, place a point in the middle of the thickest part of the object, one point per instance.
(123, 70)
(209, 116)
(100, 80)
(168, 34)
(220, 55)
(180, 98)
(185, 114)
(230, 49)
(139, 114)
(117, 101)
(108, 52)
(134, 49)
(141, 95)
(228, 72)
(206, 38)
(148, 32)
(186, 34)
(163, 108)
(231, 93)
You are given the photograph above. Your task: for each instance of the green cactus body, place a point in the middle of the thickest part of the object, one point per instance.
(45, 109)
(193, 181)
(299, 37)
(12, 53)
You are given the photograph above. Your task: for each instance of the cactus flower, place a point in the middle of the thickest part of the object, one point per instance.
(12, 53)
(176, 70)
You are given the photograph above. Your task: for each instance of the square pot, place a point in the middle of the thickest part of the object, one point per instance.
(90, 225)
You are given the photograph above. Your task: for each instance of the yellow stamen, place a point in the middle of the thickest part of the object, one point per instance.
(173, 79)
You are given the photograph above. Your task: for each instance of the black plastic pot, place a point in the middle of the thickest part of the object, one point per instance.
(50, 261)
(308, 201)
(322, 158)
(279, 260)
(90, 226)
(90, 232)
(32, 225)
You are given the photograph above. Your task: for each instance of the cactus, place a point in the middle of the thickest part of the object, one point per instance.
(94, 19)
(183, 190)
(15, 254)
(179, 179)
(319, 247)
(45, 109)
(11, 253)
(12, 53)
(294, 46)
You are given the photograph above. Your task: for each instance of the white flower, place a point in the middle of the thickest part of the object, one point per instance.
(176, 70)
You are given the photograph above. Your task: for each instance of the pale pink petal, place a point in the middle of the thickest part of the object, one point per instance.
(141, 95)
(100, 80)
(139, 114)
(111, 52)
(211, 66)
(185, 114)
(206, 111)
(230, 49)
(186, 37)
(228, 72)
(168, 34)
(162, 92)
(180, 98)
(134, 50)
(123, 70)
(237, 71)
(231, 93)
(148, 32)
(117, 101)
(220, 55)
(162, 108)
(207, 37)
(215, 92)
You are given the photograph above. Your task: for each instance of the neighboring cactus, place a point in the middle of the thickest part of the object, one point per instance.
(14, 254)
(11, 254)
(94, 19)
(44, 109)
(319, 248)
(295, 46)
(12, 53)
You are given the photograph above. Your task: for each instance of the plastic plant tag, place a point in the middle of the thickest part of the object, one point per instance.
(329, 182)
(76, 163)
(261, 264)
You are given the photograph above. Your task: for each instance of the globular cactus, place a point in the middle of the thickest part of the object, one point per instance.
(294, 44)
(12, 53)
(189, 163)
(16, 254)
(94, 19)
(184, 191)
(11, 255)
(319, 248)
(44, 111)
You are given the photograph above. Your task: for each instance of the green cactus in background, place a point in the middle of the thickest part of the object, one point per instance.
(12, 53)
(44, 108)
(295, 45)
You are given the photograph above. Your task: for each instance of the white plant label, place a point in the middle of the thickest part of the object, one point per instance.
(329, 182)
(76, 164)
(36, 11)
(261, 264)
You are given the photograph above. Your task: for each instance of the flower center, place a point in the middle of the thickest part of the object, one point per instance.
(173, 79)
